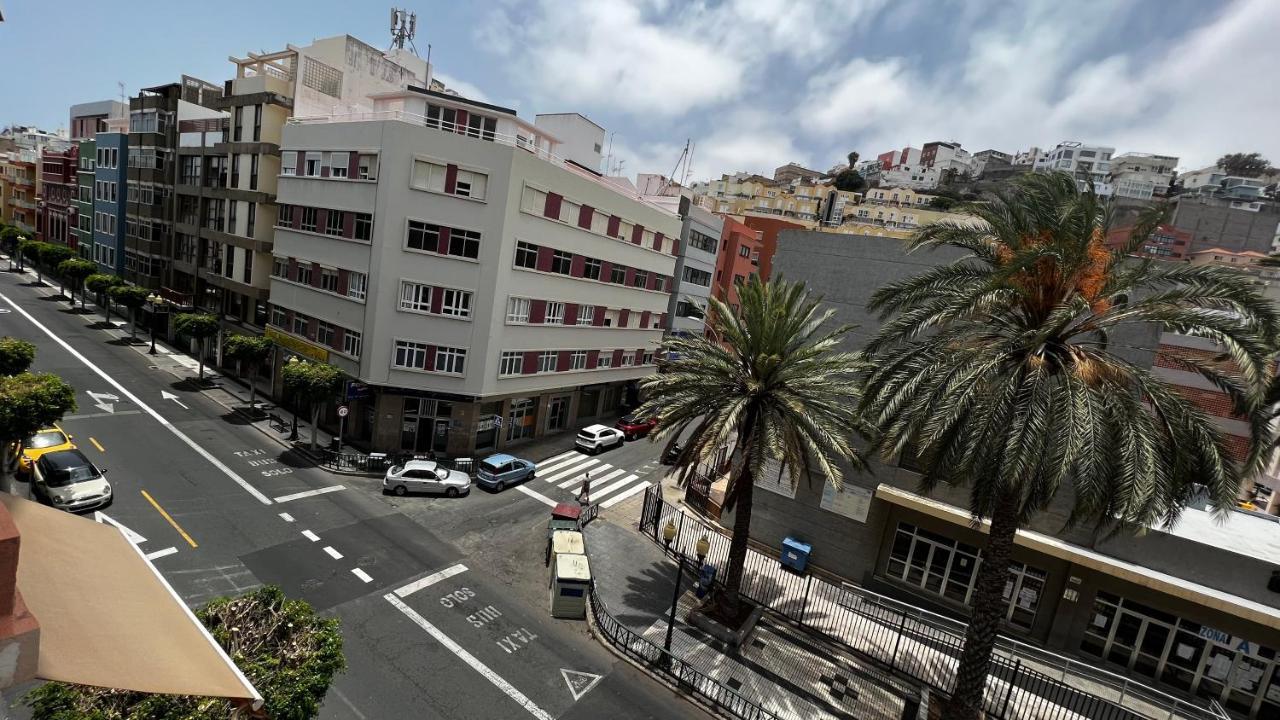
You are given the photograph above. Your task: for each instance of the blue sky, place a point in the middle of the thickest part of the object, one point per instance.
(753, 83)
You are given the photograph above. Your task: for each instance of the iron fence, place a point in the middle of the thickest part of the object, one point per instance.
(379, 462)
(1024, 683)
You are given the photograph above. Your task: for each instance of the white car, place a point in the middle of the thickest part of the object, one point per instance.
(594, 438)
(425, 476)
(68, 481)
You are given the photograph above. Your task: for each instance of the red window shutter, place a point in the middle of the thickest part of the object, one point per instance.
(571, 314)
(530, 362)
(322, 218)
(349, 224)
(460, 122)
(324, 170)
(662, 321)
(630, 277)
(552, 208)
(293, 269)
(584, 216)
(437, 299)
(537, 311)
(343, 277)
(637, 234)
(544, 258)
(288, 320)
(617, 358)
(606, 270)
(442, 246)
(429, 362)
(652, 282)
(315, 274)
(639, 356)
(575, 267)
(623, 315)
(593, 359)
(353, 166)
(450, 178)
(297, 217)
(644, 319)
(657, 241)
(339, 335)
(312, 324)
(562, 361)
(615, 224)
(598, 320)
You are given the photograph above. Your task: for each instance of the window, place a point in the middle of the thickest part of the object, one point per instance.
(277, 316)
(518, 310)
(660, 283)
(338, 162)
(450, 360)
(745, 251)
(289, 163)
(628, 358)
(739, 280)
(415, 296)
(526, 255)
(424, 236)
(329, 280)
(324, 333)
(511, 363)
(578, 360)
(604, 360)
(471, 184)
(533, 201)
(352, 343)
(441, 118)
(547, 360)
(586, 314)
(333, 222)
(313, 162)
(357, 285)
(617, 275)
(252, 219)
(189, 170)
(367, 167)
(363, 226)
(279, 267)
(429, 176)
(555, 313)
(464, 243)
(309, 219)
(591, 269)
(300, 324)
(235, 170)
(703, 242)
(304, 273)
(640, 279)
(410, 355)
(696, 276)
(561, 262)
(457, 303)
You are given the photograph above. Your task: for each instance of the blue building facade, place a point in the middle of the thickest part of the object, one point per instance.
(110, 196)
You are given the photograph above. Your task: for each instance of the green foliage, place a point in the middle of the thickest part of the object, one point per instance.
(9, 236)
(101, 282)
(941, 202)
(77, 269)
(1244, 164)
(30, 401)
(287, 651)
(28, 248)
(311, 381)
(850, 180)
(51, 255)
(251, 349)
(16, 355)
(130, 296)
(196, 325)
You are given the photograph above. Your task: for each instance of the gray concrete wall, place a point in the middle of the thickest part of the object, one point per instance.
(1213, 223)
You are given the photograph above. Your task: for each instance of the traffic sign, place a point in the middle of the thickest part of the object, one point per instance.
(497, 421)
(342, 411)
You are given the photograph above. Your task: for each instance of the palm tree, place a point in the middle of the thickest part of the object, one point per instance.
(776, 388)
(1004, 372)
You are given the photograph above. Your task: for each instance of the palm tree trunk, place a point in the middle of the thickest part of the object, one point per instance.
(315, 418)
(200, 345)
(108, 299)
(133, 325)
(988, 612)
(253, 386)
(744, 487)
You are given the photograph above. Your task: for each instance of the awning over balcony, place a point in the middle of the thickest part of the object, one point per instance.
(107, 617)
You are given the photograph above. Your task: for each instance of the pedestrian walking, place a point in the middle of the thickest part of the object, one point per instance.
(584, 495)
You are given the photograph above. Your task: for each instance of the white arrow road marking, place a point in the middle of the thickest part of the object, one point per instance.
(165, 394)
(579, 682)
(99, 398)
(130, 535)
(162, 553)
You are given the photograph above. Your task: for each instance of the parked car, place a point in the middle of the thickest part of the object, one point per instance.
(51, 439)
(634, 426)
(594, 438)
(425, 476)
(498, 472)
(68, 481)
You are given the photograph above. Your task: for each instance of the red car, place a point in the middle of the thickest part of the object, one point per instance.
(633, 427)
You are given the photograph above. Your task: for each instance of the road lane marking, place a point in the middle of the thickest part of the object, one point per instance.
(630, 491)
(598, 494)
(577, 468)
(468, 658)
(361, 574)
(87, 416)
(96, 444)
(166, 395)
(536, 495)
(133, 537)
(579, 682)
(162, 553)
(430, 580)
(598, 480)
(145, 407)
(310, 493)
(310, 536)
(556, 459)
(557, 467)
(332, 553)
(172, 522)
(286, 517)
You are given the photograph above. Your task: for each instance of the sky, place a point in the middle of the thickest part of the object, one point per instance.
(750, 84)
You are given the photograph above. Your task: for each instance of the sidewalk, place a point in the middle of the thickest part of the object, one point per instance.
(782, 669)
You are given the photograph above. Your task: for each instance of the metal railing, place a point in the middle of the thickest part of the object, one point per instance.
(1025, 682)
(379, 462)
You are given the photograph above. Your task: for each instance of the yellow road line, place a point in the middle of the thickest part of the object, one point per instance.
(172, 522)
(97, 444)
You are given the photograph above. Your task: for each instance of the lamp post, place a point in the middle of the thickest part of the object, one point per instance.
(155, 301)
(293, 431)
(701, 548)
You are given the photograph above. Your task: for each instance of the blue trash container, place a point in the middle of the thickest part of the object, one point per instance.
(795, 554)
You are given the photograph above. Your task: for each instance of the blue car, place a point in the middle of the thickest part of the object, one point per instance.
(497, 472)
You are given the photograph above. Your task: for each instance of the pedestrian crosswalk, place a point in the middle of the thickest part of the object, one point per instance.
(563, 476)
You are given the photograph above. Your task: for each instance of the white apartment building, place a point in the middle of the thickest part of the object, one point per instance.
(695, 270)
(1087, 163)
(913, 177)
(482, 290)
(1142, 176)
(949, 156)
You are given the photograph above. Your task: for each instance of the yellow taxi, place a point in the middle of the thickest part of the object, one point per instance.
(48, 440)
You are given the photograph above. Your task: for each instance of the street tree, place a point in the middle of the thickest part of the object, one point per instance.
(288, 652)
(99, 284)
(9, 237)
(1244, 164)
(76, 270)
(200, 326)
(29, 402)
(850, 179)
(51, 255)
(248, 351)
(29, 249)
(131, 297)
(1004, 373)
(16, 355)
(311, 383)
(778, 388)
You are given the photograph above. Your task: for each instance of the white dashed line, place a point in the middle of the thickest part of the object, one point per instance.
(286, 517)
(162, 553)
(310, 536)
(333, 553)
(430, 580)
(536, 495)
(310, 493)
(361, 574)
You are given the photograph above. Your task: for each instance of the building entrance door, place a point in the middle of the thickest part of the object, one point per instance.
(557, 413)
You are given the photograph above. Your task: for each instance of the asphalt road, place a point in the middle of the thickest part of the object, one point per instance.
(443, 602)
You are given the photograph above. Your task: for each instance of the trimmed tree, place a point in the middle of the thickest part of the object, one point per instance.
(312, 383)
(288, 653)
(29, 402)
(251, 351)
(200, 326)
(16, 355)
(51, 256)
(131, 297)
(99, 284)
(9, 236)
(76, 270)
(29, 249)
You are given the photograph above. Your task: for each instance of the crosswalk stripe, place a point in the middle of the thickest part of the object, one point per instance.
(557, 458)
(577, 458)
(623, 496)
(597, 494)
(573, 482)
(577, 467)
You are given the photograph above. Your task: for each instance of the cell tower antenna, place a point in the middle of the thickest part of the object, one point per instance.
(404, 25)
(121, 86)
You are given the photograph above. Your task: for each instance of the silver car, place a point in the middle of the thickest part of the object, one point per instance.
(425, 476)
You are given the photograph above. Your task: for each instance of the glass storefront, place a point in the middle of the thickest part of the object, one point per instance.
(941, 566)
(521, 418)
(1185, 655)
(425, 425)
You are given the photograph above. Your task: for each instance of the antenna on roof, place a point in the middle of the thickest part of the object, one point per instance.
(404, 25)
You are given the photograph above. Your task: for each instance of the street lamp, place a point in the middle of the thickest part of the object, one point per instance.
(293, 432)
(701, 548)
(155, 301)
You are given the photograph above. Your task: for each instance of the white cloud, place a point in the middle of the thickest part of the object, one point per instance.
(462, 87)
